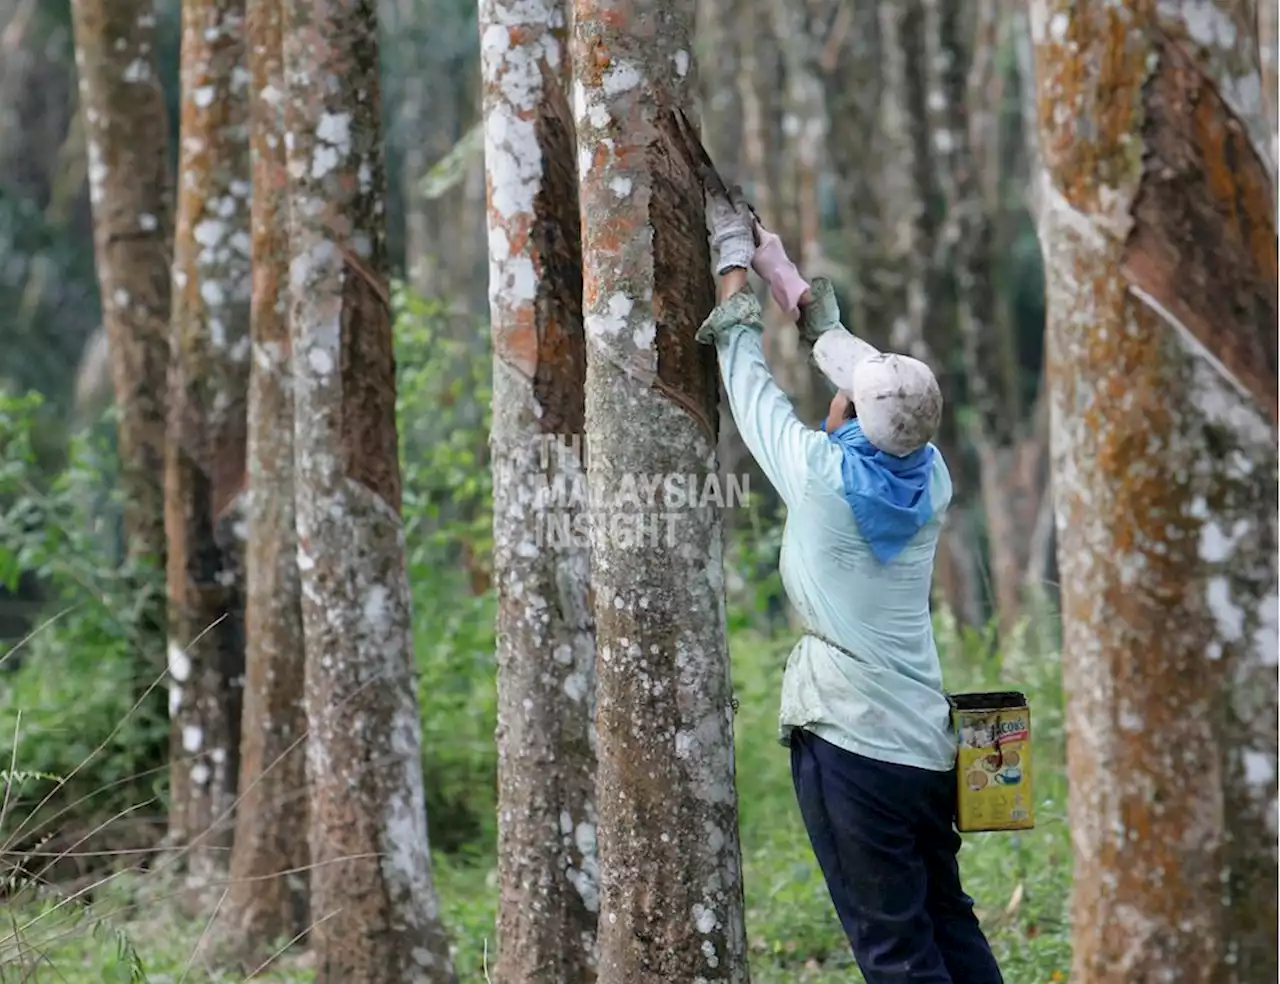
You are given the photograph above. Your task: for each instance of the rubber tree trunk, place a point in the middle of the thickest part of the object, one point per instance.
(671, 875)
(996, 429)
(1158, 227)
(921, 298)
(375, 912)
(269, 884)
(205, 454)
(547, 867)
(131, 191)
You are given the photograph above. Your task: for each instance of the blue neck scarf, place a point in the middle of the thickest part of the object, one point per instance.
(889, 496)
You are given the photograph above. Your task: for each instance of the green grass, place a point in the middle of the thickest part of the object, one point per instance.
(1020, 881)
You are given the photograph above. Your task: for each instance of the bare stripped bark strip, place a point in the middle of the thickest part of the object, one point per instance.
(547, 867)
(273, 780)
(1158, 210)
(204, 461)
(376, 914)
(671, 875)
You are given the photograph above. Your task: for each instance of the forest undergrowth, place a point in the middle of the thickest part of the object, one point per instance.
(83, 898)
(125, 927)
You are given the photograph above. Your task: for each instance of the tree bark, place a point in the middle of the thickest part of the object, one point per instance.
(131, 191)
(376, 914)
(205, 453)
(269, 893)
(547, 868)
(1158, 227)
(671, 873)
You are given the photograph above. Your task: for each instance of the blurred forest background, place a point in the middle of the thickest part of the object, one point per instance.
(894, 148)
(843, 128)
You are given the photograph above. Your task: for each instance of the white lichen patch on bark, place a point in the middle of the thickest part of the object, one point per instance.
(1165, 489)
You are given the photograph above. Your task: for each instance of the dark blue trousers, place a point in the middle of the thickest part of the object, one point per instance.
(885, 838)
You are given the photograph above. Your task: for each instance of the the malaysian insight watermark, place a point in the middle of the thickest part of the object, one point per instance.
(547, 480)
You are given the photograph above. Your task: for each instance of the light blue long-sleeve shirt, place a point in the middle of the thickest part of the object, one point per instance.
(888, 703)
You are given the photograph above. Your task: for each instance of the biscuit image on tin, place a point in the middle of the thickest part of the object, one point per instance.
(977, 779)
(1011, 759)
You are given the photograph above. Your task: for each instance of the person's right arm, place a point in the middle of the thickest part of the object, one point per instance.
(779, 442)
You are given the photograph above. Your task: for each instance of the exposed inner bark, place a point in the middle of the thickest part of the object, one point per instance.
(687, 371)
(1203, 244)
(369, 444)
(561, 346)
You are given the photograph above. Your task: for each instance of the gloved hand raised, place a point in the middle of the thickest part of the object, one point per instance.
(732, 230)
(773, 265)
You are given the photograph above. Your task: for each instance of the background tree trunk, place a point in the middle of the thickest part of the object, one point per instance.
(373, 895)
(960, 76)
(547, 867)
(671, 871)
(921, 298)
(127, 137)
(1158, 228)
(204, 468)
(273, 779)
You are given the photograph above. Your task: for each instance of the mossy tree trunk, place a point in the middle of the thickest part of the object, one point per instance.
(131, 191)
(375, 912)
(547, 867)
(671, 903)
(269, 892)
(205, 453)
(1157, 220)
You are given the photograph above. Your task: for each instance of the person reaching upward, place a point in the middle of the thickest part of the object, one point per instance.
(863, 710)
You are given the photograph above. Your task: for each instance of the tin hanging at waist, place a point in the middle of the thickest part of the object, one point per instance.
(993, 761)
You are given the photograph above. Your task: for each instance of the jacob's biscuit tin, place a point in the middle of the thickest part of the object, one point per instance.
(993, 761)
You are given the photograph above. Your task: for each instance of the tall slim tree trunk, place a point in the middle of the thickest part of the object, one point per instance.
(717, 33)
(671, 875)
(376, 914)
(131, 191)
(273, 779)
(1158, 227)
(853, 78)
(804, 132)
(966, 251)
(923, 300)
(205, 454)
(547, 866)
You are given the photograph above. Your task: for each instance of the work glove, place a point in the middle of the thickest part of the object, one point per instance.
(732, 230)
(821, 314)
(773, 266)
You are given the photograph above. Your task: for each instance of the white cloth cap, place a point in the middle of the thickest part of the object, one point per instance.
(897, 398)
